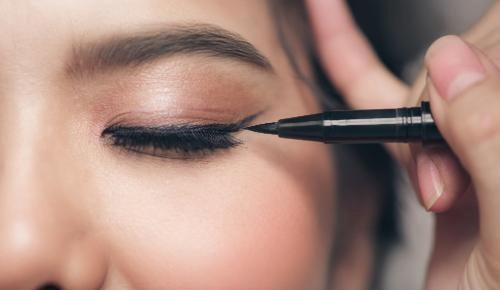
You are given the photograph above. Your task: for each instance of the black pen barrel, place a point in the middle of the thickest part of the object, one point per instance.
(364, 126)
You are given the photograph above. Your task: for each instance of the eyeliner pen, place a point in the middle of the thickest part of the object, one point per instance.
(402, 125)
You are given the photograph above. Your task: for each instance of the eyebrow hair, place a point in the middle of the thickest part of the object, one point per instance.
(145, 47)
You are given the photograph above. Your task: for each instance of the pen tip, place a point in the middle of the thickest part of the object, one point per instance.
(268, 128)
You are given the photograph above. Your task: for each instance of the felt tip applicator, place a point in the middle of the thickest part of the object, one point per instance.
(402, 125)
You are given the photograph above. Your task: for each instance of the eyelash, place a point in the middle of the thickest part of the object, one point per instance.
(176, 142)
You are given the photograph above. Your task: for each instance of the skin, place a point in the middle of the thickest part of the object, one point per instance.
(81, 214)
(459, 183)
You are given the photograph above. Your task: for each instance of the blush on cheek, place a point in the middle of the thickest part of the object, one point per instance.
(229, 229)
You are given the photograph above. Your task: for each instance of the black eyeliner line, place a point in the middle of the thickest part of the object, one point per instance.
(181, 129)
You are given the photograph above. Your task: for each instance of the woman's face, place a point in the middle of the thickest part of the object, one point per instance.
(122, 162)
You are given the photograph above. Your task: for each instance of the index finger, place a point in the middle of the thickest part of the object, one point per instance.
(350, 61)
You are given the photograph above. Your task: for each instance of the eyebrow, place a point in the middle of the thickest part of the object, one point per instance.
(146, 47)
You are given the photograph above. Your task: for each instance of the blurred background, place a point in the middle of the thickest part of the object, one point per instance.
(401, 31)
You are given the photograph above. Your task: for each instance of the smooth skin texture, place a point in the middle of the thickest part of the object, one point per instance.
(79, 213)
(460, 184)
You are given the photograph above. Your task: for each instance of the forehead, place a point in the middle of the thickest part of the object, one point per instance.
(46, 29)
(112, 12)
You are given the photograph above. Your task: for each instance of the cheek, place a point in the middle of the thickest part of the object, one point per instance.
(226, 226)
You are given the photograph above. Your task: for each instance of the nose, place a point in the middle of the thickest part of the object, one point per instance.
(41, 251)
(46, 239)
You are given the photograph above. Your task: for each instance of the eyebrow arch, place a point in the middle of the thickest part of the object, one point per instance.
(141, 48)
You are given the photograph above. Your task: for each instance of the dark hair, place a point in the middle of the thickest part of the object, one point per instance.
(367, 163)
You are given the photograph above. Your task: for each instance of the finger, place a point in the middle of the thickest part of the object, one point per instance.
(350, 61)
(441, 178)
(438, 175)
(465, 97)
(455, 236)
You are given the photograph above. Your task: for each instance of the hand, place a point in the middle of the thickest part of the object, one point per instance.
(464, 90)
(442, 183)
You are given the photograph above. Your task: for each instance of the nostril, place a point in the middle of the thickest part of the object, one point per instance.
(49, 287)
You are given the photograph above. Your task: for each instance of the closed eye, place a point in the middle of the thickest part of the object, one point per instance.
(180, 141)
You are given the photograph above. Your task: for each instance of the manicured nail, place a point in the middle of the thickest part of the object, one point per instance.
(430, 181)
(454, 66)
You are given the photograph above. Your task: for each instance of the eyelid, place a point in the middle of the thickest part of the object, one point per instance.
(157, 119)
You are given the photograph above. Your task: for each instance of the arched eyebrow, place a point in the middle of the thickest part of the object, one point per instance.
(140, 48)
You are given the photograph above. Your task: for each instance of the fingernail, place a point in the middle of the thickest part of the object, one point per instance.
(453, 66)
(430, 181)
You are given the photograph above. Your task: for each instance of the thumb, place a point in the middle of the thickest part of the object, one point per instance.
(464, 92)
